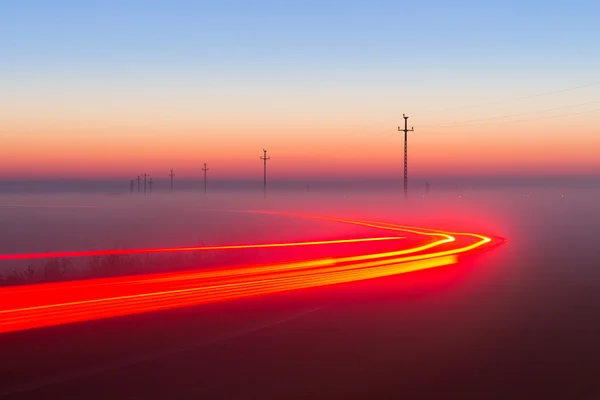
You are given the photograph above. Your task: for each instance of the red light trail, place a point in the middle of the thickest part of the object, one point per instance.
(180, 249)
(40, 305)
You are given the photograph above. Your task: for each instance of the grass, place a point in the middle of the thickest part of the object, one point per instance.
(67, 269)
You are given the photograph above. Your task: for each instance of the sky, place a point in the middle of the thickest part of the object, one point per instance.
(117, 88)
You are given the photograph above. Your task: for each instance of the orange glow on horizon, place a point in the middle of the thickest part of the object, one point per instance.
(107, 151)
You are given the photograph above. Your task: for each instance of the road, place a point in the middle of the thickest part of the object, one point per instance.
(411, 336)
(434, 333)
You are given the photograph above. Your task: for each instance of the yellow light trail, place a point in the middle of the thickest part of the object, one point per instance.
(42, 305)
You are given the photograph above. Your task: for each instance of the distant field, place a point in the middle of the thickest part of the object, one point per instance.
(83, 222)
(42, 223)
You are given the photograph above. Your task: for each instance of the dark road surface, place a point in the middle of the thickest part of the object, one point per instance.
(451, 333)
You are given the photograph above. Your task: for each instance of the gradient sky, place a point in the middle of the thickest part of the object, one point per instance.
(116, 88)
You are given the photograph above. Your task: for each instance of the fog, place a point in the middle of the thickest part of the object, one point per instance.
(539, 221)
(524, 315)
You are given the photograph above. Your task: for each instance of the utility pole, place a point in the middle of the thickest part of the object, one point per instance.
(205, 169)
(405, 130)
(265, 158)
(150, 183)
(138, 179)
(171, 175)
(145, 176)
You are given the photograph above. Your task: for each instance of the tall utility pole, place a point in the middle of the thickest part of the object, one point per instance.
(138, 179)
(205, 169)
(405, 130)
(145, 176)
(150, 183)
(171, 175)
(265, 158)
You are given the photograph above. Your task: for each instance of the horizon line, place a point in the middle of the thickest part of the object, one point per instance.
(519, 177)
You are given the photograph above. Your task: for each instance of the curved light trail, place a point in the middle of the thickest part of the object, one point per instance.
(35, 306)
(180, 249)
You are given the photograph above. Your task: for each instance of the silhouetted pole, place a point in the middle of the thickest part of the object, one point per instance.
(138, 179)
(145, 176)
(205, 169)
(405, 130)
(150, 183)
(171, 175)
(265, 158)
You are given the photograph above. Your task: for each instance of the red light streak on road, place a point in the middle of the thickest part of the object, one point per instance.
(54, 314)
(4, 257)
(58, 303)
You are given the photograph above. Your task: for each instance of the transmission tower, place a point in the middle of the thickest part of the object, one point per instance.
(150, 184)
(171, 175)
(145, 181)
(265, 158)
(405, 130)
(205, 169)
(138, 180)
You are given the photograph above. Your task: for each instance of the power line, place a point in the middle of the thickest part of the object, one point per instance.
(512, 115)
(367, 129)
(559, 91)
(145, 182)
(522, 97)
(265, 158)
(205, 169)
(171, 175)
(527, 119)
(405, 130)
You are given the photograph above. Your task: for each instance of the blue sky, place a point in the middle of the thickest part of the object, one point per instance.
(79, 75)
(307, 34)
